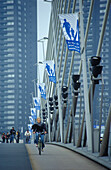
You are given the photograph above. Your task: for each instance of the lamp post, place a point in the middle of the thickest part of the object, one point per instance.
(42, 41)
(34, 86)
(57, 77)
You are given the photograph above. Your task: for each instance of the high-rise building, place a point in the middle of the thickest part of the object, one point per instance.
(18, 54)
(65, 57)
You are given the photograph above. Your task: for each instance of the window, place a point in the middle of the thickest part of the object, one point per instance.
(9, 122)
(9, 117)
(9, 112)
(10, 7)
(9, 107)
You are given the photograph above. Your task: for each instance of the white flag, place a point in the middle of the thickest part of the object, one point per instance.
(33, 113)
(42, 89)
(70, 26)
(50, 67)
(36, 101)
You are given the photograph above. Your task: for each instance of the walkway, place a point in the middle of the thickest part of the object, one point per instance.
(59, 158)
(14, 157)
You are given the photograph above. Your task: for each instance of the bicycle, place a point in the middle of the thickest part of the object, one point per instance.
(40, 142)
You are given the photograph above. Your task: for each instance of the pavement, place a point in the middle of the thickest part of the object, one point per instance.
(56, 156)
(59, 158)
(104, 161)
(14, 157)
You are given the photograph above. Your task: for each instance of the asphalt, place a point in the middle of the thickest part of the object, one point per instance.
(26, 157)
(14, 157)
(59, 158)
(103, 161)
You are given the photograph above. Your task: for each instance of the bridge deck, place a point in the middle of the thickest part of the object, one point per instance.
(58, 158)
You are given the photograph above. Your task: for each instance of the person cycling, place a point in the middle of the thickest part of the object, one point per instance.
(27, 134)
(39, 127)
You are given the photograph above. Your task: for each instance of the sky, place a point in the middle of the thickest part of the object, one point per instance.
(43, 20)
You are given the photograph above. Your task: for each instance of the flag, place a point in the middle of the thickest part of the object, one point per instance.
(33, 113)
(31, 119)
(30, 127)
(70, 26)
(36, 101)
(50, 67)
(42, 89)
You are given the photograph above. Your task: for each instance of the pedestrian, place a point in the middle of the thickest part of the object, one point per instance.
(27, 134)
(12, 135)
(17, 136)
(7, 137)
(3, 138)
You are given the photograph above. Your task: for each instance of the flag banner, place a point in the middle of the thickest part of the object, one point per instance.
(50, 67)
(31, 119)
(33, 113)
(30, 127)
(70, 26)
(36, 101)
(42, 89)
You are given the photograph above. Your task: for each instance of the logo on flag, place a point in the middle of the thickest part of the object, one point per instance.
(36, 101)
(33, 113)
(50, 67)
(31, 119)
(70, 26)
(42, 89)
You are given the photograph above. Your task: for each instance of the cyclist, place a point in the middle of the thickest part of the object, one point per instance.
(27, 134)
(39, 127)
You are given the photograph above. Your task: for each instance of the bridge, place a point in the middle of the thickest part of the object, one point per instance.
(55, 157)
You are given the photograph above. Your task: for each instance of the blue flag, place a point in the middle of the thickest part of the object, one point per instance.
(42, 89)
(36, 101)
(70, 26)
(50, 67)
(31, 119)
(33, 113)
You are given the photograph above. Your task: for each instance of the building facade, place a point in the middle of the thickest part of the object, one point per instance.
(18, 54)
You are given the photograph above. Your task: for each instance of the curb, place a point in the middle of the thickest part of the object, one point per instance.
(96, 159)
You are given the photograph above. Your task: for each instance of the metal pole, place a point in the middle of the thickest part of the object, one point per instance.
(86, 101)
(92, 117)
(57, 79)
(49, 128)
(100, 119)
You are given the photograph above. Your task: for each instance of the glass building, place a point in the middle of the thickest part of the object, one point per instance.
(18, 54)
(70, 61)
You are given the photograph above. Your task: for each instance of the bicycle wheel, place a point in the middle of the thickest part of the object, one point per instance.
(39, 150)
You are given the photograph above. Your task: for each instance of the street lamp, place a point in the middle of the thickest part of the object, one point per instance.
(42, 41)
(34, 86)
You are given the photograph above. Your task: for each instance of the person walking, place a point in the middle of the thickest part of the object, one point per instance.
(3, 138)
(7, 137)
(17, 136)
(12, 135)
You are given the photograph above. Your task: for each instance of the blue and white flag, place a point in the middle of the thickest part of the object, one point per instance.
(36, 101)
(30, 127)
(42, 89)
(33, 113)
(50, 67)
(70, 26)
(31, 119)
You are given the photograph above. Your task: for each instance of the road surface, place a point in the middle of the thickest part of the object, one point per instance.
(14, 157)
(58, 158)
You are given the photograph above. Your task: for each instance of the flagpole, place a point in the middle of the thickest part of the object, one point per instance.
(86, 101)
(58, 88)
